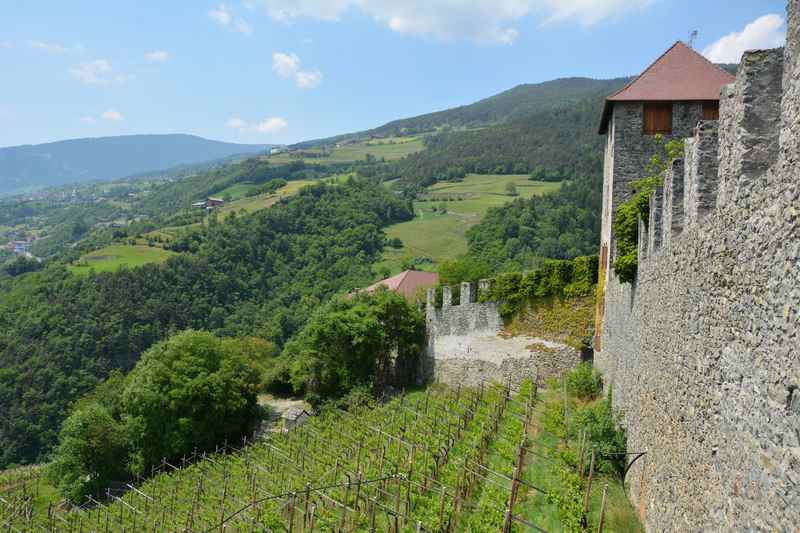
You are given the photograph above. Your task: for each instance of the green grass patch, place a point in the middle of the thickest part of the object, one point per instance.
(236, 191)
(111, 258)
(442, 236)
(389, 149)
(262, 201)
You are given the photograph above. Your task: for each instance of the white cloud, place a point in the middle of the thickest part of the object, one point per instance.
(223, 15)
(485, 21)
(98, 72)
(768, 31)
(308, 80)
(285, 65)
(268, 126)
(53, 48)
(288, 66)
(111, 115)
(237, 123)
(7, 45)
(158, 56)
(243, 27)
(271, 125)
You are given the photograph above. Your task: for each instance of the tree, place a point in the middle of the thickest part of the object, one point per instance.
(370, 340)
(193, 390)
(511, 189)
(92, 451)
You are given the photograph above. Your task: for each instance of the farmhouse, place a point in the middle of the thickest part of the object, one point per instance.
(411, 283)
(209, 203)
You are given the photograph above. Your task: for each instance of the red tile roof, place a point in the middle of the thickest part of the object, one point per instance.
(680, 74)
(407, 283)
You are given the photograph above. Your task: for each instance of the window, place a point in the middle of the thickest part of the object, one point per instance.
(657, 118)
(710, 110)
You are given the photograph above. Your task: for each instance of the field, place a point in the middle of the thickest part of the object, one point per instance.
(441, 236)
(390, 149)
(439, 460)
(111, 258)
(261, 201)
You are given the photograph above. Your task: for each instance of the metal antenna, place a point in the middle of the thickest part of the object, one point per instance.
(692, 38)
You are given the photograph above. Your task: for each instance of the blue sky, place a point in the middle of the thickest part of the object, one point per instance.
(280, 71)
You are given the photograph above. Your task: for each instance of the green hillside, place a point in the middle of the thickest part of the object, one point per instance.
(513, 104)
(444, 214)
(438, 460)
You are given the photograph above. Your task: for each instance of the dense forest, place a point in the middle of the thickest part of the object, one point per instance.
(561, 141)
(560, 225)
(262, 274)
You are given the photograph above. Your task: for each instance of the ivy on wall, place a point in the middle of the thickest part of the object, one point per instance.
(626, 223)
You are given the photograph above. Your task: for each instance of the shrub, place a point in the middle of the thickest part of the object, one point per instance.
(603, 430)
(584, 382)
(368, 340)
(194, 390)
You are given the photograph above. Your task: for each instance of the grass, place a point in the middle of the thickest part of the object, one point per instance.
(542, 471)
(112, 257)
(265, 200)
(389, 149)
(236, 191)
(442, 237)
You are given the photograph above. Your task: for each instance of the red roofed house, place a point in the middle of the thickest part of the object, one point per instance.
(669, 98)
(411, 283)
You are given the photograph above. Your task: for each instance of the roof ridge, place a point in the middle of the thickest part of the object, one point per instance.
(642, 73)
(704, 58)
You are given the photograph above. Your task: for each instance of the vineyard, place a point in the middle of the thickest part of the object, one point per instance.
(439, 460)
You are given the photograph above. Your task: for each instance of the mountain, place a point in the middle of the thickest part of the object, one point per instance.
(58, 163)
(512, 104)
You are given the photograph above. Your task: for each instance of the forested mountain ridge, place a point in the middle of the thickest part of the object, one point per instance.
(508, 105)
(107, 158)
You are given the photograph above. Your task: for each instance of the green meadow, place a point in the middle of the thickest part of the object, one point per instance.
(441, 236)
(254, 203)
(112, 257)
(389, 149)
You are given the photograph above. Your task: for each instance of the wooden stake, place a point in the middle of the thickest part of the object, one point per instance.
(588, 485)
(602, 510)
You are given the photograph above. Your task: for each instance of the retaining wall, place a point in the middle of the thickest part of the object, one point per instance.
(466, 346)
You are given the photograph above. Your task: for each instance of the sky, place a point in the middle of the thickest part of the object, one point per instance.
(283, 71)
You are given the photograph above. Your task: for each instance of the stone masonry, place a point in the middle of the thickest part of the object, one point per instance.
(703, 349)
(466, 345)
(628, 152)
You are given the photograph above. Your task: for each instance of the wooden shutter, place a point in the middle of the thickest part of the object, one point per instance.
(658, 118)
(710, 110)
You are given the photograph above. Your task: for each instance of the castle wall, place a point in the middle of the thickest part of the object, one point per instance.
(465, 346)
(702, 350)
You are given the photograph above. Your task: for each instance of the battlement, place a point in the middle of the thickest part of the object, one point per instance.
(723, 160)
(701, 349)
(467, 316)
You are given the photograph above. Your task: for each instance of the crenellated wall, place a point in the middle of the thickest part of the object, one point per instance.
(703, 349)
(466, 345)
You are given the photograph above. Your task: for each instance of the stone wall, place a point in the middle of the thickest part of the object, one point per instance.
(466, 344)
(703, 350)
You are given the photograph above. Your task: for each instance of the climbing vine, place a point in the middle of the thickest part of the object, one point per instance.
(626, 223)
